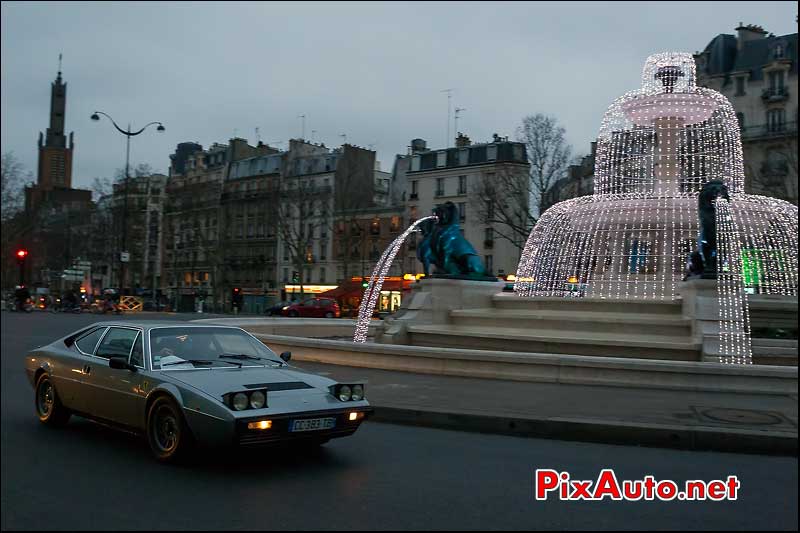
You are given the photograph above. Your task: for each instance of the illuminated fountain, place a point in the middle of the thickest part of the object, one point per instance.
(373, 290)
(657, 147)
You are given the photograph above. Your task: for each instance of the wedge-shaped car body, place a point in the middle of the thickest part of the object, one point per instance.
(186, 385)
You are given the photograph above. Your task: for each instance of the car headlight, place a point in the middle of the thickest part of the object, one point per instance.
(240, 401)
(286, 308)
(257, 399)
(358, 393)
(344, 393)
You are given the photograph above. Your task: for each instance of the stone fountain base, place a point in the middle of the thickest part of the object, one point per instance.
(432, 300)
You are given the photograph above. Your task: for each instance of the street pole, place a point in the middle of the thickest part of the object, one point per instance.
(128, 134)
(123, 268)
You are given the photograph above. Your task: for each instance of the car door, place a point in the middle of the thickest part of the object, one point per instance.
(70, 379)
(117, 393)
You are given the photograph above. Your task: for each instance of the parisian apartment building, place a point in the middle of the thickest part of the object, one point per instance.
(435, 176)
(757, 72)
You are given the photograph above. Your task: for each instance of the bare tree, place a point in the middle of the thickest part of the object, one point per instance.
(303, 208)
(12, 180)
(776, 175)
(548, 154)
(502, 200)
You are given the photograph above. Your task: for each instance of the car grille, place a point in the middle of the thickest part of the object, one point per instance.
(288, 385)
(280, 430)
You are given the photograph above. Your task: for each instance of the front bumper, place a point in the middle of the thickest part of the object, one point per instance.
(279, 432)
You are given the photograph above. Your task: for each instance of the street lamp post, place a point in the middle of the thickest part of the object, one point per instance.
(128, 134)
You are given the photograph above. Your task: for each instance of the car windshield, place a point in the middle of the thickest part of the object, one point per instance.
(172, 346)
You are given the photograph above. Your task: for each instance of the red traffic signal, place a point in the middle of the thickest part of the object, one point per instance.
(236, 289)
(22, 254)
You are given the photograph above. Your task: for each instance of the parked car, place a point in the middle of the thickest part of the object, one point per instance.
(276, 309)
(313, 308)
(189, 385)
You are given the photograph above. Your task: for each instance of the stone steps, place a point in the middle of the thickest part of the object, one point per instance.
(774, 351)
(601, 305)
(579, 322)
(532, 339)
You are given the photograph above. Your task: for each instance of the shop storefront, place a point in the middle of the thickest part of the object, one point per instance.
(348, 295)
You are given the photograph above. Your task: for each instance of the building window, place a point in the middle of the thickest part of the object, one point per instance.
(414, 189)
(395, 224)
(778, 53)
(489, 264)
(740, 86)
(412, 212)
(439, 187)
(375, 226)
(462, 211)
(322, 275)
(776, 81)
(740, 119)
(286, 254)
(323, 251)
(285, 275)
(776, 120)
(462, 185)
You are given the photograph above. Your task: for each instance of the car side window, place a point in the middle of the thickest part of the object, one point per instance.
(137, 354)
(117, 343)
(88, 342)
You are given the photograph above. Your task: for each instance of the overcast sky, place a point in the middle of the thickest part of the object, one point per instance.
(373, 71)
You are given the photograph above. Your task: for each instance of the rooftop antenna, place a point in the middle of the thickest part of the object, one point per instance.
(303, 117)
(449, 98)
(457, 111)
(59, 63)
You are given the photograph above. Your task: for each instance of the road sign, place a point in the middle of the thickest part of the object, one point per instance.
(124, 257)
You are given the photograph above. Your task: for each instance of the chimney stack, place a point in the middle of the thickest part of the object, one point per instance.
(751, 32)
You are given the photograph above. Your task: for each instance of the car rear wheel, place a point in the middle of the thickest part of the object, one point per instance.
(328, 315)
(49, 408)
(167, 433)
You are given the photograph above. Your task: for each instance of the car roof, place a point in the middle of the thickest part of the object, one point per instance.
(153, 324)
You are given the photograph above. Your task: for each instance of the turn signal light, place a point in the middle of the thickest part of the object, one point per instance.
(261, 424)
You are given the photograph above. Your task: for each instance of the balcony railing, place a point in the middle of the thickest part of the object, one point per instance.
(765, 131)
(775, 94)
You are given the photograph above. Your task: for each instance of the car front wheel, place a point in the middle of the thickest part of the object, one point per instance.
(328, 315)
(294, 314)
(49, 408)
(167, 432)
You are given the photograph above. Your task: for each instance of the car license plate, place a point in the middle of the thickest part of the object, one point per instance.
(313, 424)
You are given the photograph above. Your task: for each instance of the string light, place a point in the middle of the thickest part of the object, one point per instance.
(373, 290)
(656, 148)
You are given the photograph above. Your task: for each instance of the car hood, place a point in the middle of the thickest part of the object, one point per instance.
(217, 382)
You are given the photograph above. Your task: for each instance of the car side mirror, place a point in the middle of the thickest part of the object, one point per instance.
(120, 363)
(286, 356)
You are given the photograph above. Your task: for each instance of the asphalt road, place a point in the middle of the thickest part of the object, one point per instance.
(87, 476)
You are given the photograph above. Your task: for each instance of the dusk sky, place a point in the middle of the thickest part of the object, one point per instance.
(372, 71)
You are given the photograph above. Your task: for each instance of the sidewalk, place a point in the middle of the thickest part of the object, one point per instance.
(750, 423)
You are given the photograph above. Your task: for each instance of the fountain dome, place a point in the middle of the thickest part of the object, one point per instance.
(656, 148)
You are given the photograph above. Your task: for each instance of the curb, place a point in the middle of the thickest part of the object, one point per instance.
(700, 438)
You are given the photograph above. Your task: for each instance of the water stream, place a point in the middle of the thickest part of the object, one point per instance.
(373, 290)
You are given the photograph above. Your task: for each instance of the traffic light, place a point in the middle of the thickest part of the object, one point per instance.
(295, 276)
(364, 283)
(22, 255)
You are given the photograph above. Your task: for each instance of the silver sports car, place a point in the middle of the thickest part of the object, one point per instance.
(185, 385)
